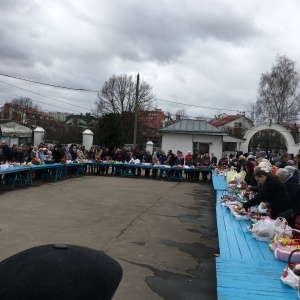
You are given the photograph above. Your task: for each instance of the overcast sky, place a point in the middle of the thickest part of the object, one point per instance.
(207, 53)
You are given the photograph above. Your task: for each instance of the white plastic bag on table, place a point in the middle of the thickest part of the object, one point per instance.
(289, 277)
(281, 225)
(264, 228)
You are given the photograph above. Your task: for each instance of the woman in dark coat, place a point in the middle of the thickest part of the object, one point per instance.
(272, 191)
(249, 169)
(56, 154)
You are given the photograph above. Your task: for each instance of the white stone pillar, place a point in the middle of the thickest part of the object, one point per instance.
(87, 139)
(149, 147)
(38, 136)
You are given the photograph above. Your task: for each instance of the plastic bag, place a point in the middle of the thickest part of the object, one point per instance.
(264, 228)
(290, 278)
(231, 175)
(281, 225)
(263, 208)
(240, 176)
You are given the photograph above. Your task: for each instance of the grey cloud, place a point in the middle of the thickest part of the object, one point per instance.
(192, 51)
(164, 35)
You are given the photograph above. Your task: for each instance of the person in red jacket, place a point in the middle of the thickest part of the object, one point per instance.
(187, 157)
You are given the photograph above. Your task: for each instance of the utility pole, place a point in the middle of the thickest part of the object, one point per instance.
(136, 108)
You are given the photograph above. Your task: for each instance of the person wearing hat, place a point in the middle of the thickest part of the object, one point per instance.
(234, 164)
(293, 171)
(60, 272)
(56, 154)
(291, 162)
(285, 157)
(272, 190)
(281, 174)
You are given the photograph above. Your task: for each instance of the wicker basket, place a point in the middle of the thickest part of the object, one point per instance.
(283, 252)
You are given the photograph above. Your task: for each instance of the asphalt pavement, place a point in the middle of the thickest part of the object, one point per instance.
(162, 233)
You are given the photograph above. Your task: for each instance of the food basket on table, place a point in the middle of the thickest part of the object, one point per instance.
(292, 271)
(228, 197)
(284, 245)
(239, 214)
(259, 213)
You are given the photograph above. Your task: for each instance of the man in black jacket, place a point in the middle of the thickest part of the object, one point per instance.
(6, 151)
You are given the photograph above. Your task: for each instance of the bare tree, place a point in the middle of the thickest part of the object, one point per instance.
(279, 95)
(181, 114)
(24, 103)
(118, 97)
(250, 111)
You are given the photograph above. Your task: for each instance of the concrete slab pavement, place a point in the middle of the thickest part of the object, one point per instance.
(162, 233)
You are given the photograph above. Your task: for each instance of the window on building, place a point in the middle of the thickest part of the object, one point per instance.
(201, 147)
(238, 124)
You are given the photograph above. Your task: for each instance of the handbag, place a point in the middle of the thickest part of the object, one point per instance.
(284, 245)
(35, 161)
(291, 272)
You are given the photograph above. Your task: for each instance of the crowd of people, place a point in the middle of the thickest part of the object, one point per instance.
(275, 182)
(43, 152)
(236, 160)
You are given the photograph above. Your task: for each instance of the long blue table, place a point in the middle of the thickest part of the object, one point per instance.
(16, 174)
(246, 268)
(57, 170)
(129, 170)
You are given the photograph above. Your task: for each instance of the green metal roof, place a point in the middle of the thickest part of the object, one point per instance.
(192, 127)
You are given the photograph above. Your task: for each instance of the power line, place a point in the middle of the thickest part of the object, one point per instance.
(43, 95)
(86, 90)
(48, 84)
(39, 101)
(199, 106)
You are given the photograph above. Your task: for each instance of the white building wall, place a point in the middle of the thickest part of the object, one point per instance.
(174, 142)
(184, 143)
(59, 116)
(215, 143)
(246, 123)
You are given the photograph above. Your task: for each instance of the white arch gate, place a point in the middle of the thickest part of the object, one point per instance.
(289, 140)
